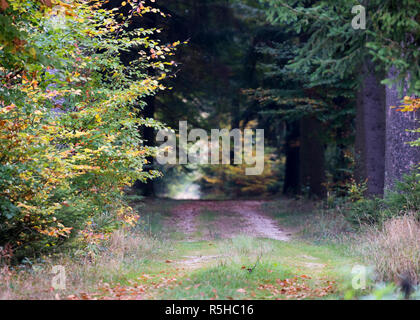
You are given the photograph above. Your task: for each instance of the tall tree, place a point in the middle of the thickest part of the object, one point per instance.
(370, 131)
(312, 153)
(396, 42)
(291, 183)
(334, 51)
(401, 157)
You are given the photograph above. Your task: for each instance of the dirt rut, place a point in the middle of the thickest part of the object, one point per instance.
(226, 219)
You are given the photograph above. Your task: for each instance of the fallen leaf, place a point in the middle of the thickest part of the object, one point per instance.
(3, 5)
(48, 3)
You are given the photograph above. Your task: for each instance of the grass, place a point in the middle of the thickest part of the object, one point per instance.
(153, 213)
(124, 256)
(394, 249)
(273, 261)
(308, 221)
(249, 268)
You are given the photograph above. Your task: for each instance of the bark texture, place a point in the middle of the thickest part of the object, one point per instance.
(400, 157)
(370, 131)
(148, 135)
(291, 177)
(312, 157)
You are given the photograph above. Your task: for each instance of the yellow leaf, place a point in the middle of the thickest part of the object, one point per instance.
(32, 52)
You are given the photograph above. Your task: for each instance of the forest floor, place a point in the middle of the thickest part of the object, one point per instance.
(241, 250)
(244, 249)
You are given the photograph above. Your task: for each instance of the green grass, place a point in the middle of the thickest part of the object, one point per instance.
(225, 274)
(152, 216)
(308, 223)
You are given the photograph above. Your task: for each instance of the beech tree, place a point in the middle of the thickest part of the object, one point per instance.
(69, 133)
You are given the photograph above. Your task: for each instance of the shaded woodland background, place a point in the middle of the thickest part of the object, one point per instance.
(312, 82)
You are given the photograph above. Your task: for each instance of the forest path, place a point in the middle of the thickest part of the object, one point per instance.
(229, 249)
(209, 220)
(240, 249)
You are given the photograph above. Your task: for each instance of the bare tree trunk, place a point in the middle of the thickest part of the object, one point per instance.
(148, 135)
(291, 176)
(370, 132)
(400, 157)
(312, 157)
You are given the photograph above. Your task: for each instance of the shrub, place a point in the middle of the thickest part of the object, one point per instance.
(69, 118)
(365, 211)
(403, 199)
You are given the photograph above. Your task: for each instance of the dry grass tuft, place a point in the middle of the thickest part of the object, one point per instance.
(394, 249)
(124, 254)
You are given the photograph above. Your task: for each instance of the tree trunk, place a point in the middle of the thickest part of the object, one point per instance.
(400, 157)
(312, 157)
(291, 177)
(148, 136)
(370, 132)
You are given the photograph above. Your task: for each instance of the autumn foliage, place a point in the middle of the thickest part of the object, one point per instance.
(69, 117)
(411, 105)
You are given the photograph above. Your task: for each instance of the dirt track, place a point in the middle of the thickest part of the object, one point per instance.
(227, 219)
